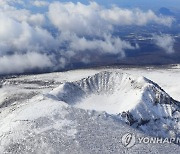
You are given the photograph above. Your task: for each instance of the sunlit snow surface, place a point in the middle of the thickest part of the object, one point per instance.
(85, 111)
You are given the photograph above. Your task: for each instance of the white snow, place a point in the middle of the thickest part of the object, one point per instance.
(116, 92)
(110, 92)
(166, 78)
(37, 119)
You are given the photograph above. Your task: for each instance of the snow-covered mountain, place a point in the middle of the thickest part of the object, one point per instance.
(136, 100)
(85, 111)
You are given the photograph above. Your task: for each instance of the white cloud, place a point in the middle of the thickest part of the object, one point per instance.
(19, 63)
(165, 42)
(21, 37)
(119, 16)
(62, 62)
(39, 3)
(77, 18)
(4, 2)
(22, 15)
(108, 44)
(36, 19)
(94, 19)
(66, 31)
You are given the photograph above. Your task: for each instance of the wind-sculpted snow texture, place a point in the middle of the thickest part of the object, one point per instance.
(63, 113)
(136, 100)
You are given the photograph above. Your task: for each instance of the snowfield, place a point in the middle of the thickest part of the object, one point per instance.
(135, 100)
(88, 111)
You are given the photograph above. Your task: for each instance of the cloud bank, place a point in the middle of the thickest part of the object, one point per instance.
(30, 40)
(94, 19)
(166, 42)
(19, 63)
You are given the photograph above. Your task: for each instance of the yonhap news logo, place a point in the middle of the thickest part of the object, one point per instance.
(130, 139)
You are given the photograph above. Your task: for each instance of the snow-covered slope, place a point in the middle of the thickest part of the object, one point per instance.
(45, 126)
(136, 100)
(84, 111)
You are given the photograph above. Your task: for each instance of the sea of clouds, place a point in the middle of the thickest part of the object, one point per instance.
(51, 38)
